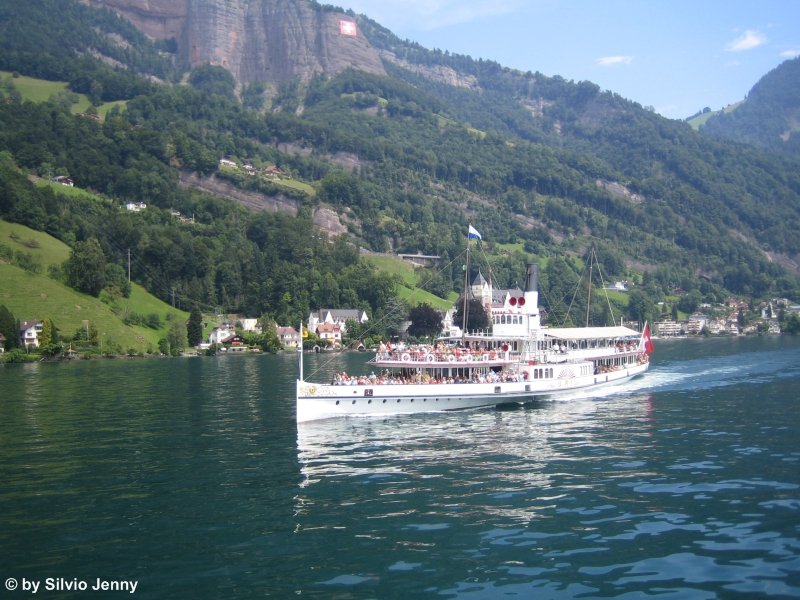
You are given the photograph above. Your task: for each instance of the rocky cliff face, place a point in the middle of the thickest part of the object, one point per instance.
(256, 40)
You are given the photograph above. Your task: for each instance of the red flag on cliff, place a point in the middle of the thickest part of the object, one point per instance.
(646, 341)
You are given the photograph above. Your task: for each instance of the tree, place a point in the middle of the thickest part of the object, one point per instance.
(46, 336)
(425, 321)
(194, 327)
(269, 336)
(476, 315)
(85, 269)
(176, 338)
(639, 306)
(355, 332)
(8, 327)
(213, 80)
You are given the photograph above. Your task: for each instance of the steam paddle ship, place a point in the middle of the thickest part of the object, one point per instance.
(517, 361)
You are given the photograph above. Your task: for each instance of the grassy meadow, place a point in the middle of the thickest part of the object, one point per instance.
(41, 90)
(409, 291)
(32, 296)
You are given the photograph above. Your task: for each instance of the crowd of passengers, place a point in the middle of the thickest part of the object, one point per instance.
(440, 351)
(389, 378)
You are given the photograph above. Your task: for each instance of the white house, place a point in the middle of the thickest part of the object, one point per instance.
(289, 337)
(135, 206)
(29, 333)
(220, 333)
(250, 325)
(331, 332)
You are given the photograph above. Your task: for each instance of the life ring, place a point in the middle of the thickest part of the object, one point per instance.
(451, 358)
(485, 356)
(406, 357)
(429, 358)
(504, 347)
(468, 358)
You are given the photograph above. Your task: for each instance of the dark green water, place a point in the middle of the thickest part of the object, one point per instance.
(190, 477)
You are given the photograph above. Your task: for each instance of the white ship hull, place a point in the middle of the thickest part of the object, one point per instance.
(316, 401)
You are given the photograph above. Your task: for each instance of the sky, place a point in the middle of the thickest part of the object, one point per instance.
(676, 56)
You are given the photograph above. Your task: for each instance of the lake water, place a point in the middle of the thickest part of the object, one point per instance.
(190, 478)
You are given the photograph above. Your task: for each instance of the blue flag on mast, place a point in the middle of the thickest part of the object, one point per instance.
(473, 234)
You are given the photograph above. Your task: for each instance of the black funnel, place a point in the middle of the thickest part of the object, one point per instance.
(532, 278)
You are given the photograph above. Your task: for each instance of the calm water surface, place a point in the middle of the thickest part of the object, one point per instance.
(191, 478)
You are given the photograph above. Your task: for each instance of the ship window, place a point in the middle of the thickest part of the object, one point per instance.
(497, 389)
(354, 401)
(337, 403)
(368, 392)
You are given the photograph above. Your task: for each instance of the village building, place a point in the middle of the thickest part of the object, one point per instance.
(220, 333)
(252, 325)
(135, 206)
(336, 316)
(289, 337)
(668, 328)
(272, 171)
(234, 343)
(29, 332)
(421, 260)
(696, 322)
(330, 332)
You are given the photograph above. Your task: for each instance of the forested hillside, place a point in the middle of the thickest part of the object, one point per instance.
(770, 116)
(544, 168)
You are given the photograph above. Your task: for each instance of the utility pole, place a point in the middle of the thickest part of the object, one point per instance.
(129, 265)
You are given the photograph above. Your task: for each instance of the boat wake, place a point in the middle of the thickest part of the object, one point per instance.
(747, 368)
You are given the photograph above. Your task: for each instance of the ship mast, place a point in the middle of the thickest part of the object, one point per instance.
(589, 299)
(465, 306)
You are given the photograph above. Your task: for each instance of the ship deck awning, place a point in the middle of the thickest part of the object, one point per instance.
(591, 333)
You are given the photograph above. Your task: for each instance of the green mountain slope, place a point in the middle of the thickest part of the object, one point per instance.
(35, 296)
(770, 116)
(398, 162)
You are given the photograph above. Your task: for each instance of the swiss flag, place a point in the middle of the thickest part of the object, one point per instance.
(348, 28)
(648, 343)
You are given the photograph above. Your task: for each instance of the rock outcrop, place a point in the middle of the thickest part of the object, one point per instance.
(256, 40)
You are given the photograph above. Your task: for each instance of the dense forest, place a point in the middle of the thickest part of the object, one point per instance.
(667, 207)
